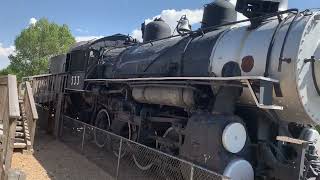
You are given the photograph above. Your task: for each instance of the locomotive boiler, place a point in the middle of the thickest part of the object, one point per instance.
(239, 97)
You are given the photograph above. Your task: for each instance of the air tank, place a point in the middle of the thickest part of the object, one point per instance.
(180, 97)
(217, 13)
(156, 29)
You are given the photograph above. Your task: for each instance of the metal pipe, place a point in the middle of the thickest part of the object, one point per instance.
(119, 157)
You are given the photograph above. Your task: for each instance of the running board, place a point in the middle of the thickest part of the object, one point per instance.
(265, 85)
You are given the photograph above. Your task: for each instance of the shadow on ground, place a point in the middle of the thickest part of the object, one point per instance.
(54, 160)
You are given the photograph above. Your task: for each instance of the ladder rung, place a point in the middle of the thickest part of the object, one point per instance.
(20, 145)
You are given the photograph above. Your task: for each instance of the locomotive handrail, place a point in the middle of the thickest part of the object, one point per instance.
(241, 78)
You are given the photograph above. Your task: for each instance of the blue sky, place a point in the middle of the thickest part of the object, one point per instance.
(95, 18)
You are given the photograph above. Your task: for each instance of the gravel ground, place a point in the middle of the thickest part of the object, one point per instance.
(55, 161)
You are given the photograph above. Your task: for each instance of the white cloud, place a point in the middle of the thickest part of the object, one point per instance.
(234, 2)
(32, 21)
(82, 30)
(137, 34)
(4, 53)
(87, 38)
(171, 16)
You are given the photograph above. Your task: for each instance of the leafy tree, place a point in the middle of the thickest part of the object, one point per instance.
(35, 45)
(6, 71)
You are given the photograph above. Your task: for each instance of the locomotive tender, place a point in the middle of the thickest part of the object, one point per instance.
(240, 98)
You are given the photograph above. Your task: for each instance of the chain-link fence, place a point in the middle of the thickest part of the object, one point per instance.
(124, 159)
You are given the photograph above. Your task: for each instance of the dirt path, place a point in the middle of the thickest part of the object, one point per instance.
(53, 160)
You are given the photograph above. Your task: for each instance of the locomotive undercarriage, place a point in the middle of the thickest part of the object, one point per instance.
(195, 133)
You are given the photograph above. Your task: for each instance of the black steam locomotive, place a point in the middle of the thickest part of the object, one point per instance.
(208, 95)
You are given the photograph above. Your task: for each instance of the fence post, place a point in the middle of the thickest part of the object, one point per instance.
(9, 113)
(61, 127)
(119, 157)
(58, 121)
(83, 136)
(31, 113)
(191, 172)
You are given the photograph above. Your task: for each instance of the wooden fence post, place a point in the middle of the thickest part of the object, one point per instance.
(31, 113)
(9, 114)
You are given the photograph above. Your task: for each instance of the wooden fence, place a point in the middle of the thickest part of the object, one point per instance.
(48, 95)
(9, 113)
(31, 116)
(46, 88)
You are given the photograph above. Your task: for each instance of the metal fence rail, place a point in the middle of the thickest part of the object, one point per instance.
(119, 156)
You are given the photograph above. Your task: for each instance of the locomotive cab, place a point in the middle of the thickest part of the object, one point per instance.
(87, 60)
(76, 61)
